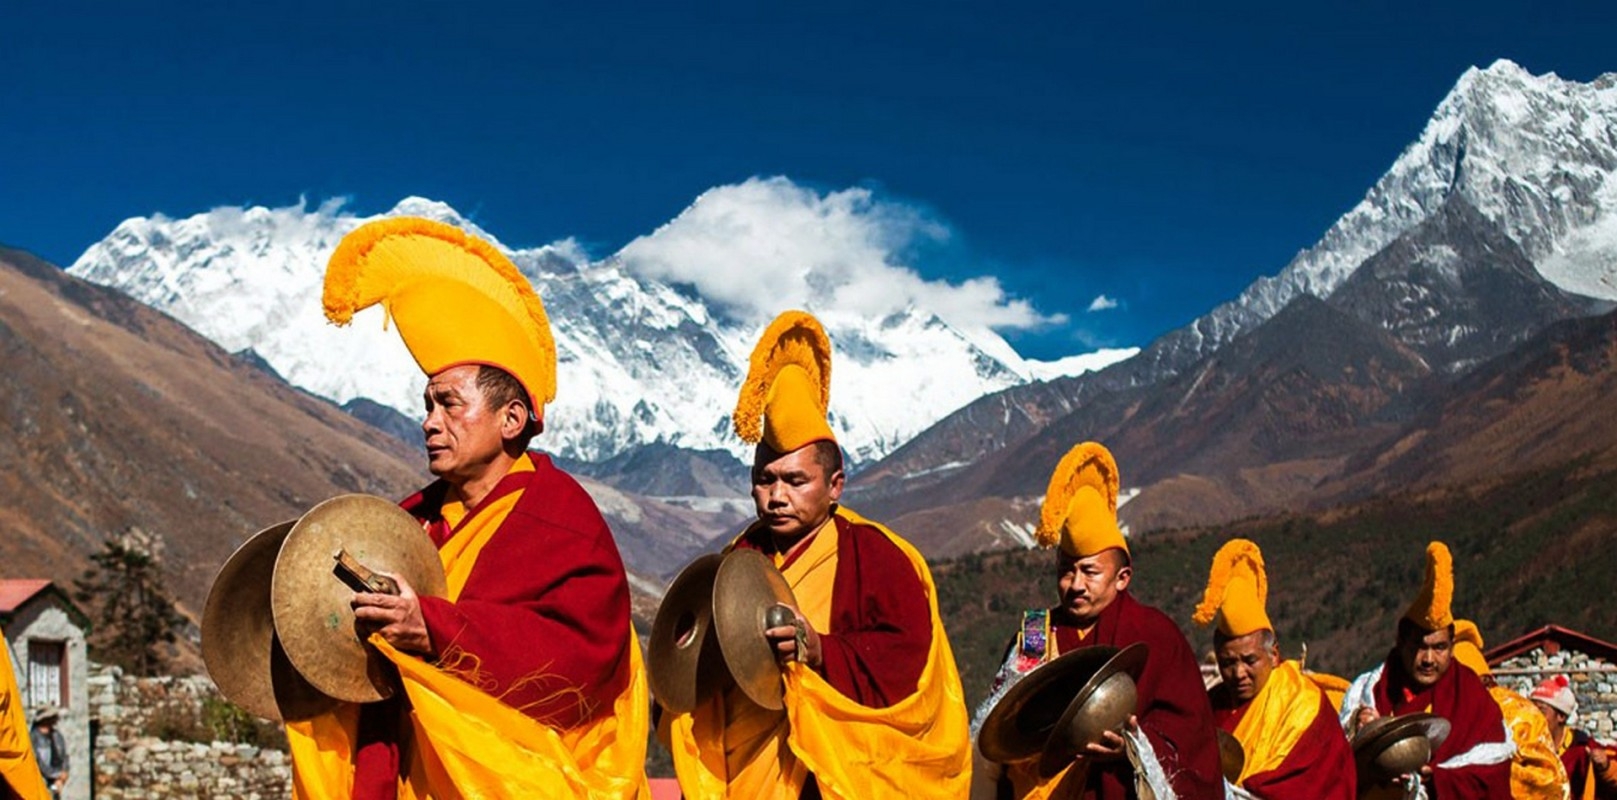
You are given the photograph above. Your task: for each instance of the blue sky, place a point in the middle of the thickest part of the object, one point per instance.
(1164, 155)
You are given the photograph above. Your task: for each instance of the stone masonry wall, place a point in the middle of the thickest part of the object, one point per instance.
(146, 743)
(1596, 689)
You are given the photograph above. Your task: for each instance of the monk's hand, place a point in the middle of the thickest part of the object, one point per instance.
(1112, 746)
(1599, 758)
(396, 616)
(785, 639)
(1364, 716)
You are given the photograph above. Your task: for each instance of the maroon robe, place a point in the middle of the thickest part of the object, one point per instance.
(1474, 718)
(547, 597)
(1173, 709)
(1581, 770)
(880, 618)
(1319, 767)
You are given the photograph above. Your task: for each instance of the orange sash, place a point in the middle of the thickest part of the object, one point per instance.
(853, 751)
(463, 742)
(18, 767)
(1276, 719)
(1536, 773)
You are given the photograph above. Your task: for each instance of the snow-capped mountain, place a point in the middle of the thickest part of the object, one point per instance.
(641, 360)
(1536, 155)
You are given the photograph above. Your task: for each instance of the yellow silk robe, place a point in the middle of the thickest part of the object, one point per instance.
(732, 748)
(18, 767)
(464, 743)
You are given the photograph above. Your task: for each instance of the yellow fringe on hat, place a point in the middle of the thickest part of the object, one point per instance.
(1086, 465)
(794, 340)
(1468, 646)
(1432, 609)
(1238, 585)
(380, 260)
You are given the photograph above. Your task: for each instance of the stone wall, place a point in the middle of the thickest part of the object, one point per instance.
(150, 742)
(1592, 682)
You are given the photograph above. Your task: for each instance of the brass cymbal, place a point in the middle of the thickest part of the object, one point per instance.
(312, 604)
(746, 587)
(1387, 747)
(683, 660)
(239, 646)
(1231, 756)
(1104, 704)
(1020, 723)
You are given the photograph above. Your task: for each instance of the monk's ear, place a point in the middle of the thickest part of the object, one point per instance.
(1125, 573)
(836, 482)
(513, 420)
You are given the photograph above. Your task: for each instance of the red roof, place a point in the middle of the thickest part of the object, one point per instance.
(1554, 638)
(15, 592)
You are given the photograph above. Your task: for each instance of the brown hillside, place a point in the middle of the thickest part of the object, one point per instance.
(113, 416)
(116, 416)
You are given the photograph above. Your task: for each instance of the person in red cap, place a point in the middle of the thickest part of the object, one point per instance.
(1589, 764)
(1535, 771)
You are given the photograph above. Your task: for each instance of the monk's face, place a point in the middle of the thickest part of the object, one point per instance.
(794, 491)
(463, 435)
(1553, 716)
(1088, 585)
(1244, 662)
(1425, 654)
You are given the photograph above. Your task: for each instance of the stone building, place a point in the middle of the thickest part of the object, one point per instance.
(1590, 664)
(45, 632)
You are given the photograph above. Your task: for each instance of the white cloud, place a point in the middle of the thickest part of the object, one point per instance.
(768, 244)
(1079, 364)
(1102, 303)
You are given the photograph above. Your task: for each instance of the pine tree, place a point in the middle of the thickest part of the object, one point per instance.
(135, 618)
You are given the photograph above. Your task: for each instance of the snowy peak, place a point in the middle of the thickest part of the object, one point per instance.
(1535, 155)
(643, 359)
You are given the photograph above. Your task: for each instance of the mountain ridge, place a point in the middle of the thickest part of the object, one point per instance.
(641, 361)
(1546, 177)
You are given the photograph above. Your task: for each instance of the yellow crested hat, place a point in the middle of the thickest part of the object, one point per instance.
(1468, 647)
(1080, 507)
(1238, 587)
(455, 298)
(1431, 609)
(784, 400)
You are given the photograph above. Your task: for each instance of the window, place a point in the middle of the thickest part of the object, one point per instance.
(47, 673)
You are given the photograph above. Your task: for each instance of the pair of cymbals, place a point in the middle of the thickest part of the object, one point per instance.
(709, 632)
(279, 635)
(1387, 747)
(1063, 706)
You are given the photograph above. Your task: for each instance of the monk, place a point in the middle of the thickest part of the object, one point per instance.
(1283, 720)
(873, 702)
(525, 680)
(1536, 772)
(19, 769)
(1420, 674)
(1171, 733)
(1590, 767)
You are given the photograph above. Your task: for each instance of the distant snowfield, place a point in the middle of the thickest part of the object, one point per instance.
(652, 342)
